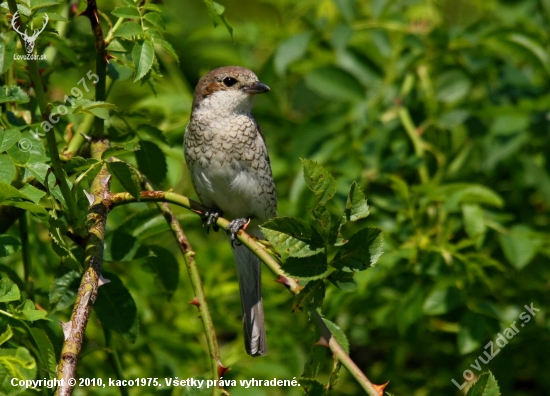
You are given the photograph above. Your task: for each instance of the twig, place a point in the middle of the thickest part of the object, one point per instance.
(196, 283)
(267, 259)
(87, 292)
(57, 168)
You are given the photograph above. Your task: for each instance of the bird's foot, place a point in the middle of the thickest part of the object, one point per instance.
(211, 217)
(234, 227)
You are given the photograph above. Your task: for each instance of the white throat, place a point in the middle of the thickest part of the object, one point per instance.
(230, 102)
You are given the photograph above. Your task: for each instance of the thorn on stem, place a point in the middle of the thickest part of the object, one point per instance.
(90, 197)
(322, 342)
(195, 302)
(283, 280)
(67, 327)
(89, 139)
(102, 281)
(380, 388)
(222, 370)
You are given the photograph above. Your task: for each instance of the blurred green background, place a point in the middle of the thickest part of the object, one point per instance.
(439, 109)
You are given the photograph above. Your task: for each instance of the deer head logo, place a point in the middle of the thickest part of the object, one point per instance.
(29, 40)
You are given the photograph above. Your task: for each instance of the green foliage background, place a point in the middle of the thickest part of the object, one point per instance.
(440, 110)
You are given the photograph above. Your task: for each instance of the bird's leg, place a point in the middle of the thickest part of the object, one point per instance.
(234, 227)
(211, 217)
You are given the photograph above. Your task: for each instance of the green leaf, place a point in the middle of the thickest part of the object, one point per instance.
(293, 237)
(215, 11)
(119, 45)
(7, 51)
(290, 50)
(47, 354)
(116, 308)
(35, 4)
(356, 204)
(129, 29)
(13, 94)
(311, 297)
(27, 311)
(151, 7)
(120, 246)
(7, 169)
(79, 164)
(338, 334)
(318, 180)
(15, 363)
(151, 131)
(166, 268)
(457, 193)
(472, 332)
(8, 291)
(307, 268)
(312, 387)
(126, 12)
(533, 46)
(452, 86)
(6, 335)
(119, 149)
(99, 109)
(151, 162)
(33, 193)
(519, 246)
(361, 251)
(63, 290)
(343, 280)
(168, 48)
(119, 72)
(155, 19)
(316, 359)
(474, 222)
(334, 84)
(8, 192)
(8, 245)
(8, 138)
(127, 177)
(441, 300)
(143, 56)
(486, 385)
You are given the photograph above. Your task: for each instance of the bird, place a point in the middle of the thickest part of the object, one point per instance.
(228, 161)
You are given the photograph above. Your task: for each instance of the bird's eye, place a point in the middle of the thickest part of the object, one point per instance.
(229, 81)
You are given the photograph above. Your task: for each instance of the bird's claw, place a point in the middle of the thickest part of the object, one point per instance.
(211, 217)
(234, 227)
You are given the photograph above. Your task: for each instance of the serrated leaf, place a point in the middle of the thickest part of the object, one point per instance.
(338, 334)
(152, 161)
(343, 280)
(13, 94)
(143, 56)
(6, 335)
(311, 297)
(486, 385)
(47, 354)
(356, 204)
(15, 363)
(126, 176)
(33, 193)
(215, 11)
(155, 19)
(166, 268)
(119, 149)
(126, 12)
(318, 180)
(8, 291)
(63, 290)
(7, 169)
(8, 138)
(168, 47)
(293, 237)
(79, 164)
(27, 311)
(307, 268)
(8, 192)
(34, 4)
(8, 245)
(129, 29)
(311, 387)
(116, 308)
(361, 251)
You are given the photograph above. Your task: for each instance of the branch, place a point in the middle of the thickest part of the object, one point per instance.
(57, 168)
(250, 242)
(87, 292)
(200, 299)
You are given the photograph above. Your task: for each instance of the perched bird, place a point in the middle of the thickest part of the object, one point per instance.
(230, 170)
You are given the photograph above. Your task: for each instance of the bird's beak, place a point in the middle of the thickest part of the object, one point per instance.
(256, 88)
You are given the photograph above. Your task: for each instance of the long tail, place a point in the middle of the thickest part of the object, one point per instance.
(250, 285)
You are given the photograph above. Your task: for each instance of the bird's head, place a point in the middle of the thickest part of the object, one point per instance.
(228, 89)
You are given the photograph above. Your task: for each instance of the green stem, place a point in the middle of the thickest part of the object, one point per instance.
(416, 140)
(113, 30)
(196, 283)
(25, 252)
(114, 360)
(57, 168)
